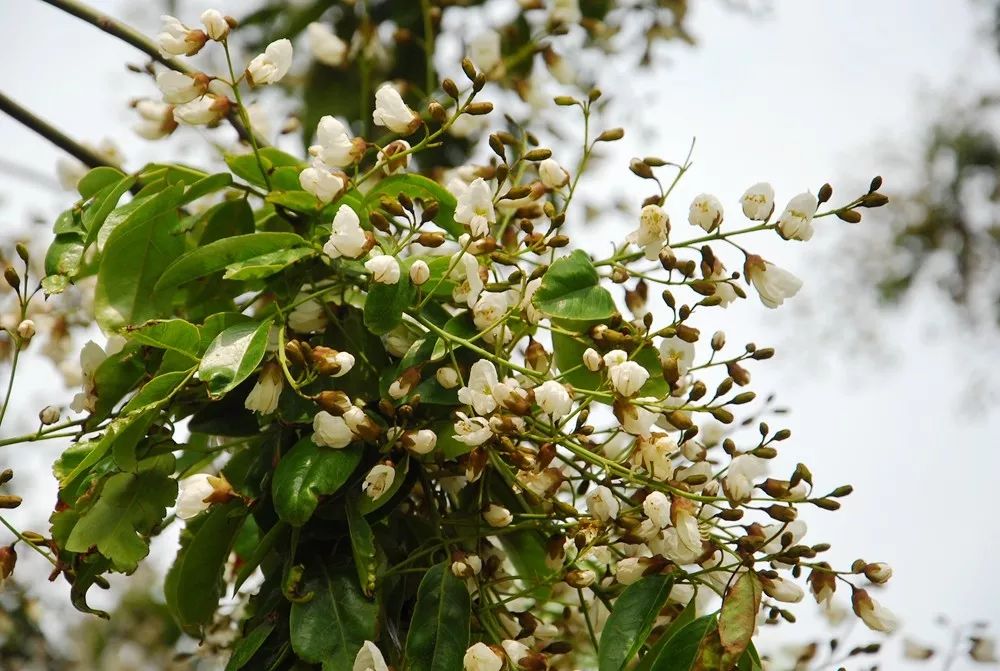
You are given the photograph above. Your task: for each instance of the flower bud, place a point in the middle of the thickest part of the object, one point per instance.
(26, 331)
(580, 578)
(447, 377)
(878, 572)
(8, 559)
(497, 516)
(334, 402)
(419, 442)
(592, 360)
(49, 415)
(197, 492)
(216, 24)
(419, 272)
(384, 269)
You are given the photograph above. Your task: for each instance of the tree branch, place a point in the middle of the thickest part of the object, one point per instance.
(144, 44)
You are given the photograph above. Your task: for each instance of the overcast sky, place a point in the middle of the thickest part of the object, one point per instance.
(815, 91)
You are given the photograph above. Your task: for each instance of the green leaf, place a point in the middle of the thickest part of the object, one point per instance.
(54, 284)
(171, 334)
(97, 179)
(331, 627)
(114, 378)
(64, 255)
(156, 390)
(137, 253)
(104, 202)
(635, 611)
(738, 618)
(308, 472)
(683, 619)
(439, 629)
(206, 185)
(246, 166)
(571, 289)
(418, 186)
(684, 648)
(233, 356)
(362, 546)
(126, 510)
(385, 304)
(300, 201)
(248, 646)
(194, 583)
(266, 265)
(216, 256)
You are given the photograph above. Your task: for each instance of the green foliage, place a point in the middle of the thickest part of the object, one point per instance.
(307, 473)
(440, 631)
(631, 620)
(571, 290)
(233, 356)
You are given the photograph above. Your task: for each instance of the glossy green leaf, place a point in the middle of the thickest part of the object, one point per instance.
(98, 178)
(207, 185)
(571, 289)
(385, 304)
(157, 390)
(104, 202)
(331, 627)
(308, 472)
(247, 167)
(193, 584)
(247, 647)
(634, 614)
(362, 546)
(439, 628)
(137, 253)
(115, 378)
(127, 508)
(686, 617)
(738, 618)
(216, 256)
(266, 265)
(233, 356)
(171, 334)
(684, 648)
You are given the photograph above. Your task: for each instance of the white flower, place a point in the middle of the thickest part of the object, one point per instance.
(706, 212)
(176, 39)
(553, 399)
(634, 418)
(481, 657)
(679, 351)
(775, 532)
(654, 226)
(270, 66)
(552, 174)
(355, 418)
(782, 590)
(497, 516)
(630, 570)
(467, 269)
(487, 315)
(743, 470)
(26, 330)
(347, 238)
(325, 46)
(369, 657)
(472, 431)
(384, 269)
(532, 313)
(878, 572)
(758, 201)
(307, 317)
(394, 157)
(475, 208)
(331, 431)
(478, 391)
(687, 531)
(876, 616)
(484, 51)
(91, 357)
(179, 88)
(566, 11)
(392, 112)
(215, 24)
(205, 110)
(795, 223)
(335, 146)
(334, 362)
(515, 650)
(627, 377)
(447, 377)
(49, 415)
(195, 492)
(653, 454)
(157, 119)
(421, 441)
(723, 289)
(378, 481)
(420, 272)
(602, 504)
(263, 398)
(319, 180)
(592, 360)
(772, 283)
(657, 508)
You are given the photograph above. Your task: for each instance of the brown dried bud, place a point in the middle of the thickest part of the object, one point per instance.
(781, 513)
(640, 169)
(334, 402)
(437, 112)
(539, 154)
(874, 200)
(8, 559)
(825, 192)
(611, 135)
(9, 501)
(430, 239)
(850, 216)
(740, 375)
(479, 109)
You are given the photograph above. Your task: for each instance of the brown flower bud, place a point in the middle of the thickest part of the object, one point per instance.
(334, 402)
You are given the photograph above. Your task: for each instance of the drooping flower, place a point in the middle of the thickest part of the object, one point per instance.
(627, 377)
(475, 208)
(335, 146)
(553, 398)
(739, 480)
(392, 112)
(497, 516)
(602, 504)
(421, 441)
(654, 227)
(875, 616)
(369, 658)
(91, 357)
(656, 505)
(378, 481)
(481, 657)
(487, 314)
(216, 25)
(781, 589)
(263, 398)
(176, 39)
(347, 238)
(202, 111)
(331, 431)
(156, 119)
(758, 201)
(179, 88)
(553, 175)
(325, 46)
(772, 283)
(272, 65)
(705, 212)
(795, 223)
(197, 492)
(478, 391)
(472, 431)
(322, 181)
(384, 269)
(677, 352)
